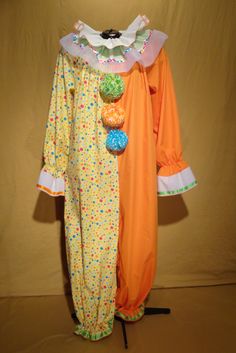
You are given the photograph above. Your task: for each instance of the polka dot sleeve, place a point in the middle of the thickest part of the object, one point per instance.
(60, 114)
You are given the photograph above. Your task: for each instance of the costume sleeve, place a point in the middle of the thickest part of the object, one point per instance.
(56, 142)
(174, 175)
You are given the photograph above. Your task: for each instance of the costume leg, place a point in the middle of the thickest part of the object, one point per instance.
(136, 264)
(91, 227)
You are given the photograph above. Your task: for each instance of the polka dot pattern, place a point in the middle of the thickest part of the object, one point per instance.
(91, 211)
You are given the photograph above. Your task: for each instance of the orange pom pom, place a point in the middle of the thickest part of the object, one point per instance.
(113, 115)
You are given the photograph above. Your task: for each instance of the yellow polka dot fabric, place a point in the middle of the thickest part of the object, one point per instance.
(75, 149)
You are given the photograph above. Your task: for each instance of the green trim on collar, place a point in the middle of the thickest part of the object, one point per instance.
(116, 54)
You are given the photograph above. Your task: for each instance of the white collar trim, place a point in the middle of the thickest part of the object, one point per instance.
(127, 37)
(129, 55)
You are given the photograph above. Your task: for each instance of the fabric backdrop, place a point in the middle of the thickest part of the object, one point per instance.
(197, 237)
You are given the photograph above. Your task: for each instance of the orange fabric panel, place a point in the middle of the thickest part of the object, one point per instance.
(138, 196)
(152, 125)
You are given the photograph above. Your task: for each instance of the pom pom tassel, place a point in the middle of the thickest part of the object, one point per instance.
(117, 140)
(111, 89)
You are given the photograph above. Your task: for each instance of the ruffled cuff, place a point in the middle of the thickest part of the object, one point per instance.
(175, 183)
(53, 186)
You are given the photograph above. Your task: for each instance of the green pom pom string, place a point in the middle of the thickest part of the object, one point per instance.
(112, 87)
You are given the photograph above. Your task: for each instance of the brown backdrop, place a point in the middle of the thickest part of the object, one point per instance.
(196, 244)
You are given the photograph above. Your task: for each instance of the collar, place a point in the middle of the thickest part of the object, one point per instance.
(136, 44)
(127, 37)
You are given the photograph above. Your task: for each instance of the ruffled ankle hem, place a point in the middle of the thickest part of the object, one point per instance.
(81, 331)
(137, 316)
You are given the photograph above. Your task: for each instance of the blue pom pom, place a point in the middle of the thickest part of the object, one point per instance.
(116, 140)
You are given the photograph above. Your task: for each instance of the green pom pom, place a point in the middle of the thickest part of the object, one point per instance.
(112, 86)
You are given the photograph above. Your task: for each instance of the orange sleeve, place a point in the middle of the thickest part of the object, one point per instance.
(174, 175)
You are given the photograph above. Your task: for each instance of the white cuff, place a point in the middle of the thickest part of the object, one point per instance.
(50, 185)
(176, 183)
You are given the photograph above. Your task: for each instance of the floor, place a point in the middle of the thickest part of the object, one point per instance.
(202, 320)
